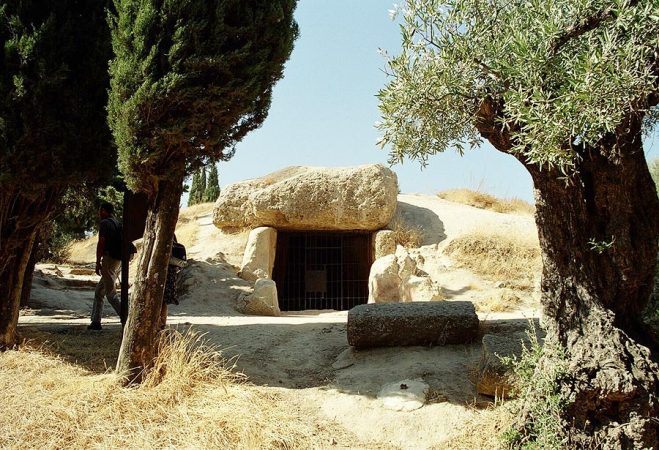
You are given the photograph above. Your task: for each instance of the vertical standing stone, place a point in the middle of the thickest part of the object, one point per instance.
(259, 256)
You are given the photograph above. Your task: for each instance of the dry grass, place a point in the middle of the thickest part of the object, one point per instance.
(482, 432)
(191, 400)
(486, 201)
(83, 251)
(498, 257)
(503, 300)
(192, 213)
(405, 234)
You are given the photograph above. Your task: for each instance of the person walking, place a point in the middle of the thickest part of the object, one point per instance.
(108, 264)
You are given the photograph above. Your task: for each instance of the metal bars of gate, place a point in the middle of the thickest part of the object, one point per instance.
(324, 270)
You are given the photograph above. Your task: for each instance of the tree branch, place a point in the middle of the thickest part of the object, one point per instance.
(587, 24)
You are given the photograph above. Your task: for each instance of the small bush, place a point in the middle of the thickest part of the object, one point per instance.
(409, 236)
(482, 200)
(540, 403)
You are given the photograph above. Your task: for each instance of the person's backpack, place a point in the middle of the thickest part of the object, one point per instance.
(113, 239)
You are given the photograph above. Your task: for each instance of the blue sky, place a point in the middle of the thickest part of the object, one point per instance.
(324, 109)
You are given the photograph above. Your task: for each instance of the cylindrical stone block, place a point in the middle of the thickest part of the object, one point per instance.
(416, 323)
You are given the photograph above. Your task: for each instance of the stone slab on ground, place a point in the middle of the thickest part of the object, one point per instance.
(495, 379)
(405, 395)
(417, 323)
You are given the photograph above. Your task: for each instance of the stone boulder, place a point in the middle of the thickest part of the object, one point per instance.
(495, 379)
(396, 278)
(306, 198)
(259, 256)
(383, 243)
(419, 323)
(384, 282)
(263, 301)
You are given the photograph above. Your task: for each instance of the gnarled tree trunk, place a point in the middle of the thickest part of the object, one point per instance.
(140, 333)
(29, 270)
(598, 230)
(11, 284)
(21, 217)
(599, 242)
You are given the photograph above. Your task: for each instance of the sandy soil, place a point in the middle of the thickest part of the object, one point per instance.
(295, 353)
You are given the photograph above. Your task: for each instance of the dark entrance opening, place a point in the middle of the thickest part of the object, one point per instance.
(315, 270)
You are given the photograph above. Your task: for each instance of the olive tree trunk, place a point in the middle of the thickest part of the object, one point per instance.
(598, 230)
(599, 246)
(138, 346)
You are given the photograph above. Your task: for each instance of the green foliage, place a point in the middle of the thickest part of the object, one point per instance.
(191, 78)
(193, 197)
(563, 73)
(77, 215)
(601, 246)
(538, 389)
(53, 93)
(202, 185)
(212, 191)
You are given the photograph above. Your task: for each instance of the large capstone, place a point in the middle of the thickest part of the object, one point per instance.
(418, 323)
(311, 198)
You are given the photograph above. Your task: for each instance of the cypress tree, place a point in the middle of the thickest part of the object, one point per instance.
(53, 129)
(189, 80)
(213, 187)
(202, 186)
(194, 189)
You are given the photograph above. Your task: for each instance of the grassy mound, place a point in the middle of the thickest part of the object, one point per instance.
(487, 201)
(514, 259)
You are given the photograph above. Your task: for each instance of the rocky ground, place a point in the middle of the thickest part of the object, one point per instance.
(305, 355)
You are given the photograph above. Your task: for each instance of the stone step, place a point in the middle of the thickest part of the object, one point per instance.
(415, 323)
(495, 377)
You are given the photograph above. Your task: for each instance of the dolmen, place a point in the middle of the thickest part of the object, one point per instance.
(416, 323)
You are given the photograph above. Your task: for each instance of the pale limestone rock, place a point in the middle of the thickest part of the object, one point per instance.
(422, 288)
(263, 301)
(259, 256)
(405, 395)
(396, 278)
(383, 243)
(384, 282)
(305, 198)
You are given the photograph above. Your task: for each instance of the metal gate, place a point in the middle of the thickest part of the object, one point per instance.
(322, 270)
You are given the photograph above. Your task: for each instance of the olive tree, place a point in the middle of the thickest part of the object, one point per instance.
(190, 78)
(568, 87)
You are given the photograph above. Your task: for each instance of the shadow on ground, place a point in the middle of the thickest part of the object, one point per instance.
(299, 356)
(95, 351)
